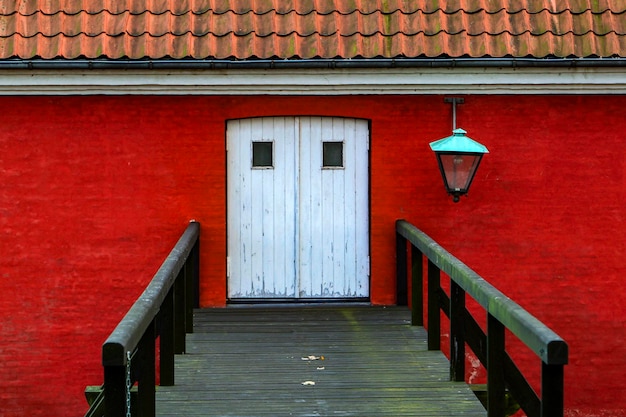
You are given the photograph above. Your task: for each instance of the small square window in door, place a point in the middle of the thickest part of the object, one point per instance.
(262, 154)
(332, 154)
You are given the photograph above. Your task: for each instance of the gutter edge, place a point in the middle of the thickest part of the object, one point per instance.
(267, 64)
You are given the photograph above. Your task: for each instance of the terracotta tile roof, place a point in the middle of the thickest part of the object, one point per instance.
(292, 29)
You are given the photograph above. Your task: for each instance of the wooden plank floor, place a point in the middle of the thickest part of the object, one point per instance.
(368, 361)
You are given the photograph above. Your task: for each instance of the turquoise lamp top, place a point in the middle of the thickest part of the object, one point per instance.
(458, 142)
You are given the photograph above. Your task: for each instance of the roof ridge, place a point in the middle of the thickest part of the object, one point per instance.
(428, 7)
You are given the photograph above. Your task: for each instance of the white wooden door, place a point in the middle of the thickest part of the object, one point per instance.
(298, 219)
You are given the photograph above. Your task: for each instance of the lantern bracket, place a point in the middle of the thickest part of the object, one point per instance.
(454, 101)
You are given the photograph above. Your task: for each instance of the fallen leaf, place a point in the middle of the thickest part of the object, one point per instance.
(308, 383)
(320, 368)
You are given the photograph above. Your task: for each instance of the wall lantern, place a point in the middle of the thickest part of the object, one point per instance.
(458, 157)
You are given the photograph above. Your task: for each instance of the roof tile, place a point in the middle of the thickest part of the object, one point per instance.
(26, 7)
(310, 28)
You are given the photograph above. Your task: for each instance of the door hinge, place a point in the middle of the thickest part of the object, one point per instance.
(369, 268)
(228, 267)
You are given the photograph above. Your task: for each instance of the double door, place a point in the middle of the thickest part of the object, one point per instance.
(298, 218)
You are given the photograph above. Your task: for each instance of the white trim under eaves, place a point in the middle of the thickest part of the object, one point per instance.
(316, 81)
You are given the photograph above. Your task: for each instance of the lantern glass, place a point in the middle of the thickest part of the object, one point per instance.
(458, 170)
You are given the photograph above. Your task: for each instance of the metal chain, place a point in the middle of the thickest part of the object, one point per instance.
(128, 384)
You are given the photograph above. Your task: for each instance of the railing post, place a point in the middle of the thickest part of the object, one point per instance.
(115, 391)
(146, 373)
(417, 287)
(552, 381)
(166, 339)
(434, 319)
(189, 293)
(195, 266)
(401, 270)
(457, 332)
(179, 314)
(495, 368)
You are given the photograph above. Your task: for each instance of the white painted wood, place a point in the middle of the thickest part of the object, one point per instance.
(459, 80)
(308, 255)
(331, 218)
(258, 204)
(302, 231)
(362, 198)
(356, 135)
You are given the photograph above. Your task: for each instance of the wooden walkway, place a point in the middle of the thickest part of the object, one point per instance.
(312, 361)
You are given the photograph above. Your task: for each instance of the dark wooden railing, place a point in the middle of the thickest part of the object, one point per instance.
(164, 310)
(489, 346)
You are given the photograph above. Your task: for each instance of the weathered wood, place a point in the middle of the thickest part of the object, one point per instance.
(537, 336)
(434, 320)
(146, 379)
(489, 347)
(475, 338)
(510, 404)
(521, 390)
(495, 371)
(166, 340)
(194, 270)
(161, 307)
(179, 313)
(401, 270)
(417, 282)
(457, 333)
(115, 389)
(247, 361)
(288, 246)
(129, 331)
(189, 270)
(95, 399)
(551, 396)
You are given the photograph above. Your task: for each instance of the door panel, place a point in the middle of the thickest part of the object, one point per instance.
(260, 201)
(297, 229)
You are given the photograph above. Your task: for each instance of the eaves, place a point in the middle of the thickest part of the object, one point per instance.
(314, 77)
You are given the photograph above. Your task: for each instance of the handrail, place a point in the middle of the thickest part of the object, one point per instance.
(164, 309)
(129, 331)
(502, 313)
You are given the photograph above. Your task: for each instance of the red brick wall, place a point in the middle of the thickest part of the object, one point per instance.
(95, 191)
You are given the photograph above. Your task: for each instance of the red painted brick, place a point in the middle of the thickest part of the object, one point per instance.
(96, 190)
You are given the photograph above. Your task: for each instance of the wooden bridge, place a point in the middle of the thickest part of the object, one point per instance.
(322, 360)
(312, 361)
